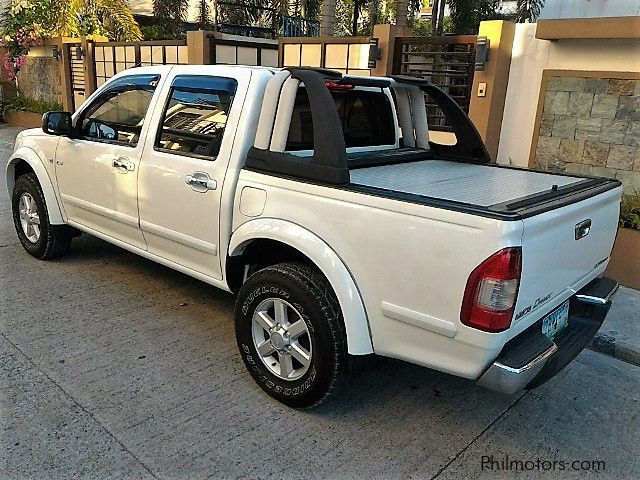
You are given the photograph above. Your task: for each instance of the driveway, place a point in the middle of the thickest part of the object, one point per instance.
(112, 366)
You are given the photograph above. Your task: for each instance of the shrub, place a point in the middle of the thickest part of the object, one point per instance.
(630, 211)
(23, 104)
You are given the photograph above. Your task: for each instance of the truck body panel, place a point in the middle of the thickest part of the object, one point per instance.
(398, 225)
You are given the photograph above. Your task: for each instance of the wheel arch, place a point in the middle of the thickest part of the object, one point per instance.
(304, 243)
(25, 160)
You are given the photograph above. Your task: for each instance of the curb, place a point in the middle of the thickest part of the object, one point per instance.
(607, 345)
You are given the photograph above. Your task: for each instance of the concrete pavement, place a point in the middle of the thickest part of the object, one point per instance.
(112, 366)
(619, 335)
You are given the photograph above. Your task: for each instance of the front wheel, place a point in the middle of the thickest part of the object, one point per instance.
(290, 332)
(31, 219)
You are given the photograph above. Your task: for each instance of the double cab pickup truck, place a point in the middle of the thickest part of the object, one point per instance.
(321, 202)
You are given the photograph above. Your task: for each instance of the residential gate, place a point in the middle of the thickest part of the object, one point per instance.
(110, 58)
(447, 62)
(73, 55)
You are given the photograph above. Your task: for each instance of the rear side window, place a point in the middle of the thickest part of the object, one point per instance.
(195, 116)
(366, 117)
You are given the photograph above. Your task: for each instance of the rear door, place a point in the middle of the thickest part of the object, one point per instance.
(565, 248)
(186, 158)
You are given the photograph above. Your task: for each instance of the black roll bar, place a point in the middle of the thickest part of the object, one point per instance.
(328, 164)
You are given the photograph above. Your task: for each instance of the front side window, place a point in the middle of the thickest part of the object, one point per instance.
(195, 116)
(116, 116)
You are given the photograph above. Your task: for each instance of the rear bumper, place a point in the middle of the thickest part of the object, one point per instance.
(530, 359)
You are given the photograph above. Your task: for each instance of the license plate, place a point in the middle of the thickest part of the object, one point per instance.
(557, 320)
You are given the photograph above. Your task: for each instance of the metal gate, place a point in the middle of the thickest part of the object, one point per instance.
(74, 55)
(447, 62)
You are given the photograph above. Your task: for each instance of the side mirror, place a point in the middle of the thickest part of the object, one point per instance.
(57, 123)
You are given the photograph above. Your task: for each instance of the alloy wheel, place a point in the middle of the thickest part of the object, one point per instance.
(281, 338)
(29, 217)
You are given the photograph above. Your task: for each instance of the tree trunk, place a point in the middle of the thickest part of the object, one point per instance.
(402, 11)
(356, 16)
(328, 18)
(434, 16)
(441, 16)
(372, 10)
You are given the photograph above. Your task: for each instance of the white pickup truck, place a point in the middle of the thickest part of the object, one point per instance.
(319, 199)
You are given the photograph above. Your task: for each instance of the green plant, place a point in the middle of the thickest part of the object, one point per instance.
(419, 27)
(170, 16)
(24, 104)
(24, 23)
(630, 211)
(22, 27)
(466, 15)
(157, 32)
(528, 10)
(111, 18)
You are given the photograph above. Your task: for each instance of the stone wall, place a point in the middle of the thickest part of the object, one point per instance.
(41, 79)
(591, 126)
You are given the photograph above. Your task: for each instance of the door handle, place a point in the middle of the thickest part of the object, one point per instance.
(123, 163)
(200, 182)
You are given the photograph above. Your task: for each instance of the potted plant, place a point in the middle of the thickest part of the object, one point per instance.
(625, 258)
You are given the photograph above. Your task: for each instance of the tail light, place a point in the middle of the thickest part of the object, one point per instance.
(491, 292)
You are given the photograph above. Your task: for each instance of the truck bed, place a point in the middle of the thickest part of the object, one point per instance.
(459, 182)
(488, 190)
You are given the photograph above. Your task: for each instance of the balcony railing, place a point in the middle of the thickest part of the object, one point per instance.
(250, 20)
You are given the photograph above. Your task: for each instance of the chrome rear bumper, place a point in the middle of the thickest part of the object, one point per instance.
(506, 379)
(530, 359)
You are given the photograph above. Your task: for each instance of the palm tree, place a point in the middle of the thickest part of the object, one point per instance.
(402, 11)
(528, 10)
(112, 18)
(404, 8)
(328, 18)
(204, 14)
(170, 15)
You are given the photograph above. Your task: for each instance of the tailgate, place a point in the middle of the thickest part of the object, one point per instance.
(558, 254)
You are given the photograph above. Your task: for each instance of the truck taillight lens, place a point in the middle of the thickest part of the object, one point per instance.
(491, 292)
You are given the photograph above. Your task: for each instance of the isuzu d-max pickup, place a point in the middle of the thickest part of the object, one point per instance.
(320, 200)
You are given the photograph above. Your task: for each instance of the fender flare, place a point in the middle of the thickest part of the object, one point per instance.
(35, 162)
(322, 255)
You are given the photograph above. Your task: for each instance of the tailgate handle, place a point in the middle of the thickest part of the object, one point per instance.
(583, 228)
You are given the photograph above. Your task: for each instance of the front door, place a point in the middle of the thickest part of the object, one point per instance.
(182, 175)
(97, 170)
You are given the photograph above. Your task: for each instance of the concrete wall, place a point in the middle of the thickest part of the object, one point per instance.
(41, 79)
(530, 57)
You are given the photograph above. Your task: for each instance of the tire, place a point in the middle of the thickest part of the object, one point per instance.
(307, 297)
(41, 240)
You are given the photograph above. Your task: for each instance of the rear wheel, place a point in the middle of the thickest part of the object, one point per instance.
(31, 219)
(290, 332)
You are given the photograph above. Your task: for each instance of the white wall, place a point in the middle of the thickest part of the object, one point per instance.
(145, 7)
(589, 8)
(530, 56)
